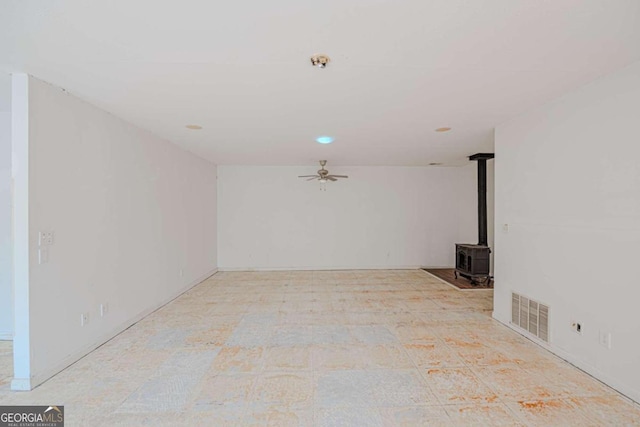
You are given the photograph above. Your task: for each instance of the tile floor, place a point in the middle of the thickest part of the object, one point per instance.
(331, 348)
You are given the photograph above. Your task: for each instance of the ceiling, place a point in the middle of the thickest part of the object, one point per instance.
(241, 70)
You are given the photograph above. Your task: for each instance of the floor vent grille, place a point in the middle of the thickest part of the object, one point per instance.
(530, 315)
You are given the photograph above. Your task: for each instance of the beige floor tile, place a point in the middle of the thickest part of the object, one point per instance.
(372, 388)
(574, 382)
(284, 388)
(334, 357)
(390, 356)
(324, 348)
(225, 390)
(355, 317)
(221, 417)
(458, 385)
(459, 338)
(346, 417)
(608, 410)
(513, 383)
(278, 416)
(432, 415)
(288, 358)
(238, 359)
(554, 412)
(421, 304)
(495, 414)
(433, 355)
(209, 337)
(453, 303)
(483, 355)
(418, 334)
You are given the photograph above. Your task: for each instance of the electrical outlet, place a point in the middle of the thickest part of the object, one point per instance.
(182, 272)
(576, 327)
(45, 238)
(104, 309)
(605, 339)
(505, 228)
(48, 238)
(84, 319)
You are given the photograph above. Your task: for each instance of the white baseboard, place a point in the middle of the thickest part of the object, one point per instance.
(27, 384)
(334, 268)
(438, 266)
(6, 336)
(615, 384)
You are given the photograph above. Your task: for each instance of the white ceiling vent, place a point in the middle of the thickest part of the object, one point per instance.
(530, 315)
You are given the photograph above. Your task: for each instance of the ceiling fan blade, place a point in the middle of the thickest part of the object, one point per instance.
(339, 176)
(307, 176)
(331, 178)
(311, 179)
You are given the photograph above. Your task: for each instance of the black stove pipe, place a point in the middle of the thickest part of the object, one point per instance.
(482, 158)
(482, 202)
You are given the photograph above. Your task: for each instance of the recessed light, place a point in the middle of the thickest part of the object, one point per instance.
(324, 139)
(193, 127)
(445, 129)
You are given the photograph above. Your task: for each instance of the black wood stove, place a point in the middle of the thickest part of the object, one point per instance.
(472, 261)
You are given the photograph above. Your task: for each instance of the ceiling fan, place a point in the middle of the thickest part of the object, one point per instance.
(323, 174)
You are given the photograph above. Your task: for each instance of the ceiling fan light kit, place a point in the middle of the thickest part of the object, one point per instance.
(323, 176)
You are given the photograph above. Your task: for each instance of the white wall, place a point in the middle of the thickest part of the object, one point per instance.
(129, 212)
(6, 276)
(491, 211)
(568, 184)
(380, 217)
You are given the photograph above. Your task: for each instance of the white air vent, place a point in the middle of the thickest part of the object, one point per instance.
(530, 315)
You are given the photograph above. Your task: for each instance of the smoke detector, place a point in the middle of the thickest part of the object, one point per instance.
(320, 61)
